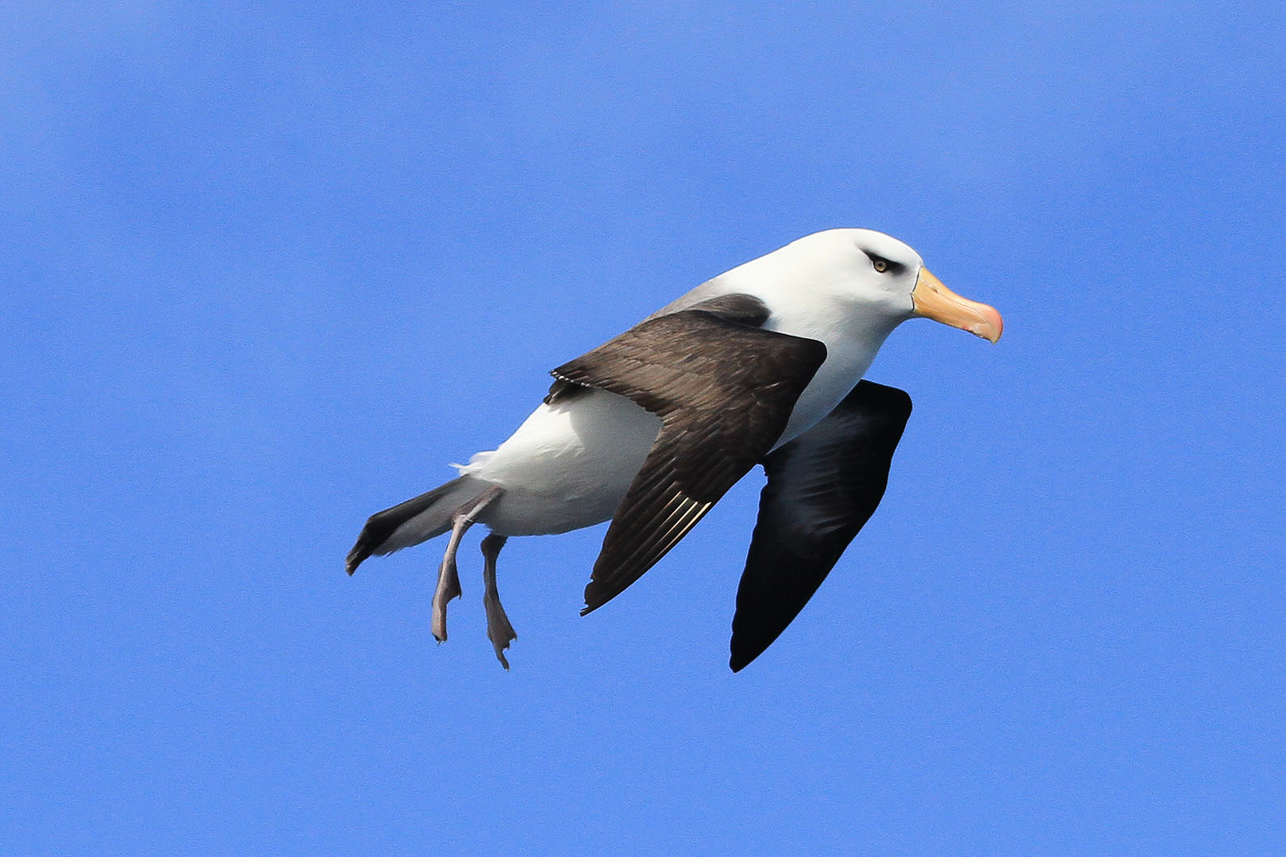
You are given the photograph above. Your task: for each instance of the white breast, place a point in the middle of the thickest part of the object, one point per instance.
(568, 465)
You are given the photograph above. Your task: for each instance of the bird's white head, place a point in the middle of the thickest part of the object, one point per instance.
(882, 277)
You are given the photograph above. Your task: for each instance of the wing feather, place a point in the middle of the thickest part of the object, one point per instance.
(724, 390)
(822, 488)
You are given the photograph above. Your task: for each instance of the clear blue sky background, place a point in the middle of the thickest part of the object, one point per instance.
(268, 268)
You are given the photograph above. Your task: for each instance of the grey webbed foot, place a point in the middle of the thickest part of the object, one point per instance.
(499, 631)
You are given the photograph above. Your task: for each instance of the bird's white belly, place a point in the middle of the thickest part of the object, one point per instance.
(567, 466)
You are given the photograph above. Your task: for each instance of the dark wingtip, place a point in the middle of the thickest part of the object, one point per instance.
(742, 655)
(590, 606)
(597, 594)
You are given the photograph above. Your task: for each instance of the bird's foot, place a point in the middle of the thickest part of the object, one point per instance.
(499, 631)
(448, 588)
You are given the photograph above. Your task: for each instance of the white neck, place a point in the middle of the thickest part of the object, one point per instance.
(851, 346)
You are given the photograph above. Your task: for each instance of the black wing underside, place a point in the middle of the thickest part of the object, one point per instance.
(724, 389)
(822, 488)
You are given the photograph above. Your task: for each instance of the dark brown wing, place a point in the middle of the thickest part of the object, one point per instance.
(724, 391)
(822, 488)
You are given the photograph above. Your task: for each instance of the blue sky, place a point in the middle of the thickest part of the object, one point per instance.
(268, 268)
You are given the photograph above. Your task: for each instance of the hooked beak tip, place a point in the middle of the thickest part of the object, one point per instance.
(931, 299)
(991, 327)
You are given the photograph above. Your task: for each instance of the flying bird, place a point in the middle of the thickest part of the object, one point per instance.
(760, 365)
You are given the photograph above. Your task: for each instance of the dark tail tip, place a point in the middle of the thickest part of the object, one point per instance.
(360, 551)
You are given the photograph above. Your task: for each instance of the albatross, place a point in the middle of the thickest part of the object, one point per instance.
(761, 365)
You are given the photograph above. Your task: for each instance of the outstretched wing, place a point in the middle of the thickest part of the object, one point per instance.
(724, 389)
(822, 488)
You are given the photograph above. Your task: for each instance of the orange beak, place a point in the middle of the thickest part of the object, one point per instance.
(934, 300)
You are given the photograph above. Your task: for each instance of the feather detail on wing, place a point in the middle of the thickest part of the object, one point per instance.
(724, 390)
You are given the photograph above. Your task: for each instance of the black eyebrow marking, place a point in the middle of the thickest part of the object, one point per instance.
(892, 267)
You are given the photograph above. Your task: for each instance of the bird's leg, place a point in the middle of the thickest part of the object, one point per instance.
(499, 631)
(448, 577)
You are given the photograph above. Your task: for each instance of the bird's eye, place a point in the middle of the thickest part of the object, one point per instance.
(880, 265)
